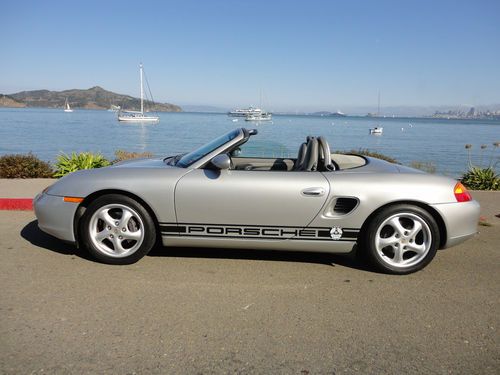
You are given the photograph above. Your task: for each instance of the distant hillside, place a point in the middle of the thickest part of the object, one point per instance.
(7, 101)
(93, 98)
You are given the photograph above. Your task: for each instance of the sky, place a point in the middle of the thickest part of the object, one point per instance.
(301, 55)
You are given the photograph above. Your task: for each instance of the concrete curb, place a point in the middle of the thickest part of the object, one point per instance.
(16, 204)
(17, 194)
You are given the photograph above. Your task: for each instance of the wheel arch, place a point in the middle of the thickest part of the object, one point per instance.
(90, 198)
(434, 213)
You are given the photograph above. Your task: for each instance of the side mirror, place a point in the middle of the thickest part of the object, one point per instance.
(221, 161)
(236, 152)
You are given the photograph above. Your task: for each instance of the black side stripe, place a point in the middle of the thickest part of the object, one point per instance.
(253, 225)
(257, 232)
(261, 238)
(172, 229)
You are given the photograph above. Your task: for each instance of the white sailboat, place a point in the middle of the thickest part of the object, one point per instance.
(260, 115)
(137, 116)
(67, 108)
(377, 130)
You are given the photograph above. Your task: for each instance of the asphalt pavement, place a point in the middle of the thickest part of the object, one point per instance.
(213, 311)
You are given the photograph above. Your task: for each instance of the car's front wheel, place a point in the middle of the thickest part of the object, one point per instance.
(401, 239)
(116, 229)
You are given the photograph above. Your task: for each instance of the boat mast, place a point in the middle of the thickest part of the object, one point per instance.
(142, 91)
(378, 110)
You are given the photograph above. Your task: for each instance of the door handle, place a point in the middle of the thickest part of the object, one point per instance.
(313, 192)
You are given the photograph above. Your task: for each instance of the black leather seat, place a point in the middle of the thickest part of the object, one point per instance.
(300, 157)
(325, 159)
(311, 160)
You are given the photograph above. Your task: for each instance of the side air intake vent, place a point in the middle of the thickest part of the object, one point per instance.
(344, 205)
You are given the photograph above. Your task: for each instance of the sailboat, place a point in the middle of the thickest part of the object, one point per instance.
(67, 108)
(377, 130)
(137, 116)
(260, 115)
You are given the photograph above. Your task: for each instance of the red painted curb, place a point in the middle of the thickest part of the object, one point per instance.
(16, 204)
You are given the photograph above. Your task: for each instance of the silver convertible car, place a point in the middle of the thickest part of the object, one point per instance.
(396, 217)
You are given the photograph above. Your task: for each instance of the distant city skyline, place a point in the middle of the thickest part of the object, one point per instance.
(303, 56)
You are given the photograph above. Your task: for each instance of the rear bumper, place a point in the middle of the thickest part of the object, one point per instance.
(461, 220)
(55, 216)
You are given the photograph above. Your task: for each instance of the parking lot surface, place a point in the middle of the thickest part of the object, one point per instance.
(204, 311)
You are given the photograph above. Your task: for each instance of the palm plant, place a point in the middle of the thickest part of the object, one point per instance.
(480, 177)
(84, 160)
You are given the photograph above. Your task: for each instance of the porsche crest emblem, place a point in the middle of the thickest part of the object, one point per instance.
(336, 233)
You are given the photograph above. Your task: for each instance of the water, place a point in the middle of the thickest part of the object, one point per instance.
(48, 132)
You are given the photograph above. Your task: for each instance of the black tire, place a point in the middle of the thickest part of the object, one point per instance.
(383, 228)
(140, 225)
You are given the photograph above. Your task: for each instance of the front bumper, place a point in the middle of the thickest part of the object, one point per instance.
(55, 216)
(461, 220)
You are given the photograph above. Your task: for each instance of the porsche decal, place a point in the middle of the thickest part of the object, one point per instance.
(259, 232)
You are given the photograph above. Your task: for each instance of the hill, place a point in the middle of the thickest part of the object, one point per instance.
(93, 98)
(7, 101)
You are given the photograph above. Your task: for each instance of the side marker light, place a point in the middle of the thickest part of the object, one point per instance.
(73, 199)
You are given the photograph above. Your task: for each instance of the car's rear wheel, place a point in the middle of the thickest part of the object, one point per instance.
(401, 239)
(116, 229)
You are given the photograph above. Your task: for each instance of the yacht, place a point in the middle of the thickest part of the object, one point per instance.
(264, 116)
(137, 116)
(245, 112)
(376, 130)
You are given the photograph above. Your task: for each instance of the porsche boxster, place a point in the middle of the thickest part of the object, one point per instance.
(214, 196)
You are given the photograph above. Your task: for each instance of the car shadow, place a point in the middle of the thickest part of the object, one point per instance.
(332, 260)
(36, 237)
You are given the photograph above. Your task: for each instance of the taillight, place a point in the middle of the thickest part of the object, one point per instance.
(461, 193)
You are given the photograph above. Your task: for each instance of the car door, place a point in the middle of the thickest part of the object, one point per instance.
(240, 200)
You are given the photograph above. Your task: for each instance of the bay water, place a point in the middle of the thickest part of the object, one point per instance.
(49, 132)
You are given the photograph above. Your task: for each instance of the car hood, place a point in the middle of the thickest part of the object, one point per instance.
(130, 176)
(141, 163)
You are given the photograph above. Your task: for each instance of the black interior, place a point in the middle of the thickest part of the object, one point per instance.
(313, 155)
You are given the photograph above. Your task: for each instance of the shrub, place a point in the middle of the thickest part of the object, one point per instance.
(493, 159)
(84, 160)
(481, 179)
(24, 166)
(121, 155)
(426, 166)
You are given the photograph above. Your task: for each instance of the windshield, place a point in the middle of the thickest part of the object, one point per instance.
(265, 149)
(200, 152)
